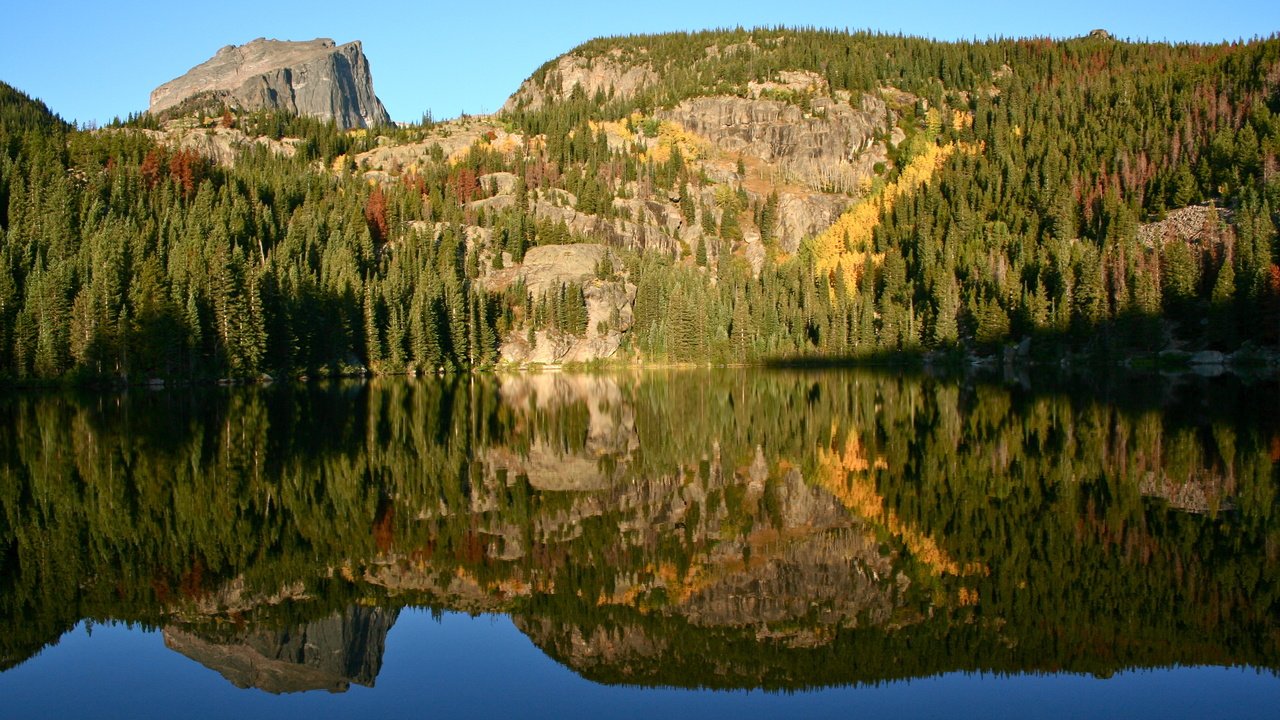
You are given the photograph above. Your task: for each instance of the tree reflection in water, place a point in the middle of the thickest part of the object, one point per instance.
(715, 529)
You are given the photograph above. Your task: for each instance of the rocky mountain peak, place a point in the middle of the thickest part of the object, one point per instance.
(317, 77)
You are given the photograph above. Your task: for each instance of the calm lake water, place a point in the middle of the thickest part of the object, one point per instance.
(713, 544)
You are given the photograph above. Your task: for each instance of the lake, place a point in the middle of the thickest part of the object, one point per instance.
(736, 543)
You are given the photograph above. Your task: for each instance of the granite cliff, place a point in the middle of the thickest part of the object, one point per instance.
(317, 78)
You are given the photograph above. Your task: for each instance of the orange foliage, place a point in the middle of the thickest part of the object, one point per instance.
(415, 181)
(153, 167)
(473, 549)
(384, 526)
(375, 214)
(188, 168)
(192, 583)
(540, 174)
(465, 184)
(160, 586)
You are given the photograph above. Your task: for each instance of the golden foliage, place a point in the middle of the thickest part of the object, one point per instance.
(458, 156)
(845, 246)
(672, 134)
(615, 131)
(844, 473)
(508, 143)
(665, 575)
(933, 122)
(961, 119)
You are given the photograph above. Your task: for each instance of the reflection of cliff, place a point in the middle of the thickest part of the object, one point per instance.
(789, 596)
(723, 529)
(326, 654)
(748, 548)
(773, 554)
(601, 431)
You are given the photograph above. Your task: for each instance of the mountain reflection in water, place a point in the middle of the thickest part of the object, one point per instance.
(705, 529)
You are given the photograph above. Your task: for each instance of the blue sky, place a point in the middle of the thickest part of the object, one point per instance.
(91, 61)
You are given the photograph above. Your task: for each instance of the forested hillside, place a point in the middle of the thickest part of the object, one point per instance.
(766, 195)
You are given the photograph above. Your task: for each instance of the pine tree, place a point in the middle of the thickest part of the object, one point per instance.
(1223, 327)
(373, 349)
(1180, 275)
(946, 331)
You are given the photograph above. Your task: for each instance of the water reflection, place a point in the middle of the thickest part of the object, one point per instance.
(734, 529)
(325, 654)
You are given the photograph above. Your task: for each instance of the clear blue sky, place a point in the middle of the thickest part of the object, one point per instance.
(91, 61)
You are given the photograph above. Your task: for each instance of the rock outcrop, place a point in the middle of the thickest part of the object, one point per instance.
(605, 74)
(316, 78)
(1199, 226)
(828, 146)
(609, 303)
(219, 144)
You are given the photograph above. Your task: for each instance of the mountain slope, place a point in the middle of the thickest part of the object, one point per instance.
(20, 112)
(744, 196)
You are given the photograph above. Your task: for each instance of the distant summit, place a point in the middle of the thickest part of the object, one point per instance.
(316, 78)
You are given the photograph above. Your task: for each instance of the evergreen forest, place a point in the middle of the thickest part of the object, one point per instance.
(1017, 204)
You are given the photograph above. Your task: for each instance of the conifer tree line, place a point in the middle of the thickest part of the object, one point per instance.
(121, 258)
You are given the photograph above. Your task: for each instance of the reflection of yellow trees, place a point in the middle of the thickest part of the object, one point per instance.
(679, 585)
(844, 473)
(1054, 512)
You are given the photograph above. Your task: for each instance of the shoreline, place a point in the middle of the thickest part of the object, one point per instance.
(1254, 363)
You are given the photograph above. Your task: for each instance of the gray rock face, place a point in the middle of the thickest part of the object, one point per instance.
(831, 147)
(315, 78)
